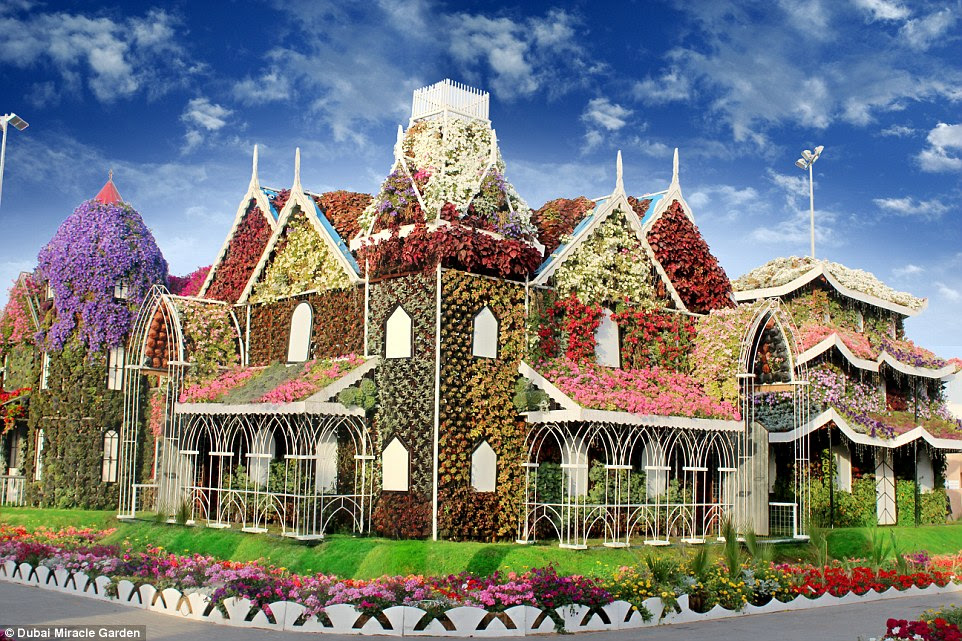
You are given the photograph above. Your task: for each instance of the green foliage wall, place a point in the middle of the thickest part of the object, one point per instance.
(477, 404)
(74, 413)
(22, 368)
(406, 409)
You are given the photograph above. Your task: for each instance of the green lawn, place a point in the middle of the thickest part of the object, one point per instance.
(367, 557)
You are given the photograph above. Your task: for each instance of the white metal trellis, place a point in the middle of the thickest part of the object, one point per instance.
(620, 482)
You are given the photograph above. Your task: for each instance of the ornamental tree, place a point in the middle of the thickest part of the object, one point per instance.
(96, 248)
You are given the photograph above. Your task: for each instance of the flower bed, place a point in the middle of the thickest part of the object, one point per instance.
(645, 391)
(279, 383)
(249, 594)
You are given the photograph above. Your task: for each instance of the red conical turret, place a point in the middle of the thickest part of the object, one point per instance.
(108, 193)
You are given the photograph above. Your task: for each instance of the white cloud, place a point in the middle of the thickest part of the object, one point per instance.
(200, 116)
(899, 131)
(883, 9)
(269, 87)
(600, 113)
(948, 292)
(923, 33)
(908, 270)
(910, 207)
(115, 59)
(672, 86)
(724, 201)
(201, 112)
(945, 141)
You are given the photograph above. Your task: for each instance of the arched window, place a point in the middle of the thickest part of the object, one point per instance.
(485, 341)
(484, 468)
(607, 350)
(397, 335)
(111, 448)
(299, 345)
(395, 463)
(325, 473)
(859, 321)
(843, 467)
(261, 455)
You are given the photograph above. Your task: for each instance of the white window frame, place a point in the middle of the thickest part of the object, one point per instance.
(483, 479)
(398, 334)
(38, 457)
(299, 342)
(486, 330)
(45, 371)
(121, 291)
(111, 454)
(396, 477)
(116, 357)
(603, 339)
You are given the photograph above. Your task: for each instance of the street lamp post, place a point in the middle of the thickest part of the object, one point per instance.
(805, 162)
(20, 124)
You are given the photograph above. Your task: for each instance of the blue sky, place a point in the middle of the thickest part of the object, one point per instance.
(174, 95)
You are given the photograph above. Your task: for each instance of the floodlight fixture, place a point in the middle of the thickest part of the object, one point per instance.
(19, 124)
(805, 162)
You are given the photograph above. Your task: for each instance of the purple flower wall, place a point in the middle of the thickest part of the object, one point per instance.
(95, 248)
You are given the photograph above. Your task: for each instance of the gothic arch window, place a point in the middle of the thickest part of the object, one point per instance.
(859, 321)
(608, 348)
(397, 334)
(299, 344)
(485, 339)
(484, 468)
(111, 449)
(395, 467)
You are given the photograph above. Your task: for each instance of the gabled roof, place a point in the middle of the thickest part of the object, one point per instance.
(607, 205)
(945, 373)
(832, 416)
(255, 195)
(108, 193)
(300, 200)
(834, 274)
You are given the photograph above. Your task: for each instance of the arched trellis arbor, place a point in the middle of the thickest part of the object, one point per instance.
(264, 466)
(768, 365)
(157, 346)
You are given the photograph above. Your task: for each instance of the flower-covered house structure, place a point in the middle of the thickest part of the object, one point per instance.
(441, 360)
(878, 400)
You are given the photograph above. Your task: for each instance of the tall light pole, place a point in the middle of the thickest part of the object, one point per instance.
(805, 162)
(20, 124)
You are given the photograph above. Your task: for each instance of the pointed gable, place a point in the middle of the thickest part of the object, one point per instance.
(244, 245)
(305, 252)
(689, 264)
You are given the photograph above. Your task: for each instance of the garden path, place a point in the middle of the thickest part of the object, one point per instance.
(23, 605)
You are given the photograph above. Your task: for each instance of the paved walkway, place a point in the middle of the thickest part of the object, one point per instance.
(21, 605)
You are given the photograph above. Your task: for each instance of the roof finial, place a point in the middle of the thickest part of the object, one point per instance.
(619, 175)
(674, 168)
(110, 174)
(399, 144)
(255, 182)
(297, 167)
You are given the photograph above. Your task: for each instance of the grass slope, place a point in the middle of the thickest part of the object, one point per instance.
(369, 557)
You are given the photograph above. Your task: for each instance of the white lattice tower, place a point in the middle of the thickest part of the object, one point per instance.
(449, 98)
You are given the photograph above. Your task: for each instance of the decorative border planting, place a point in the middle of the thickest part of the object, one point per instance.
(522, 620)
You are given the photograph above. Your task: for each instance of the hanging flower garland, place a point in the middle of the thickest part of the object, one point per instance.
(96, 248)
